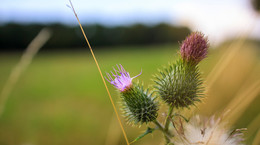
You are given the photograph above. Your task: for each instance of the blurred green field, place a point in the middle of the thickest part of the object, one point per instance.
(61, 100)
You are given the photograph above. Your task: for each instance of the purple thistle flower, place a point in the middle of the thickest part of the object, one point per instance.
(122, 80)
(194, 48)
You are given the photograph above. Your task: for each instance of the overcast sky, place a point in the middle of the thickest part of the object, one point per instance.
(218, 19)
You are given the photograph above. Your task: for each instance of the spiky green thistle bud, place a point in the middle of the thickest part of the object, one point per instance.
(138, 105)
(180, 85)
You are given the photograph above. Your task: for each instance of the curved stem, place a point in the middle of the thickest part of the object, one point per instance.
(187, 120)
(167, 135)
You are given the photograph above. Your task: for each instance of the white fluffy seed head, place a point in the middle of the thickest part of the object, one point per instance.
(206, 132)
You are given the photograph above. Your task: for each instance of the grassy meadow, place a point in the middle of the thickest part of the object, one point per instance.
(60, 99)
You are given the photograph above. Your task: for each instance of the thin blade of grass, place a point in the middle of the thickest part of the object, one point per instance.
(93, 55)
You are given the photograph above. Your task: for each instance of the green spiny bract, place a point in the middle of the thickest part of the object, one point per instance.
(180, 85)
(138, 105)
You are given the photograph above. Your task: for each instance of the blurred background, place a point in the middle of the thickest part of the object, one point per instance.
(57, 97)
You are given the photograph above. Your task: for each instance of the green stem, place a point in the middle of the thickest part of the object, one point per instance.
(167, 123)
(167, 135)
(166, 127)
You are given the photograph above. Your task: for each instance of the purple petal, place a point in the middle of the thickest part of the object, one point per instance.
(137, 75)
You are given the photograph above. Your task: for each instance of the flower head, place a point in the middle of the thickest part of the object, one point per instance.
(203, 131)
(122, 80)
(180, 85)
(138, 105)
(194, 48)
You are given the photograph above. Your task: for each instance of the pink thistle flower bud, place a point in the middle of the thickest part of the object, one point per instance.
(194, 48)
(122, 80)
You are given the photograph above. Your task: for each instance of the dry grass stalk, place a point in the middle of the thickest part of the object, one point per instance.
(102, 77)
(230, 53)
(254, 126)
(239, 104)
(113, 133)
(257, 138)
(24, 62)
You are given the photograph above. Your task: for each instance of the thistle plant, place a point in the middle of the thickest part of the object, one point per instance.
(138, 105)
(180, 86)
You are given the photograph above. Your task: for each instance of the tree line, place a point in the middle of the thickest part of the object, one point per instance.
(17, 36)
